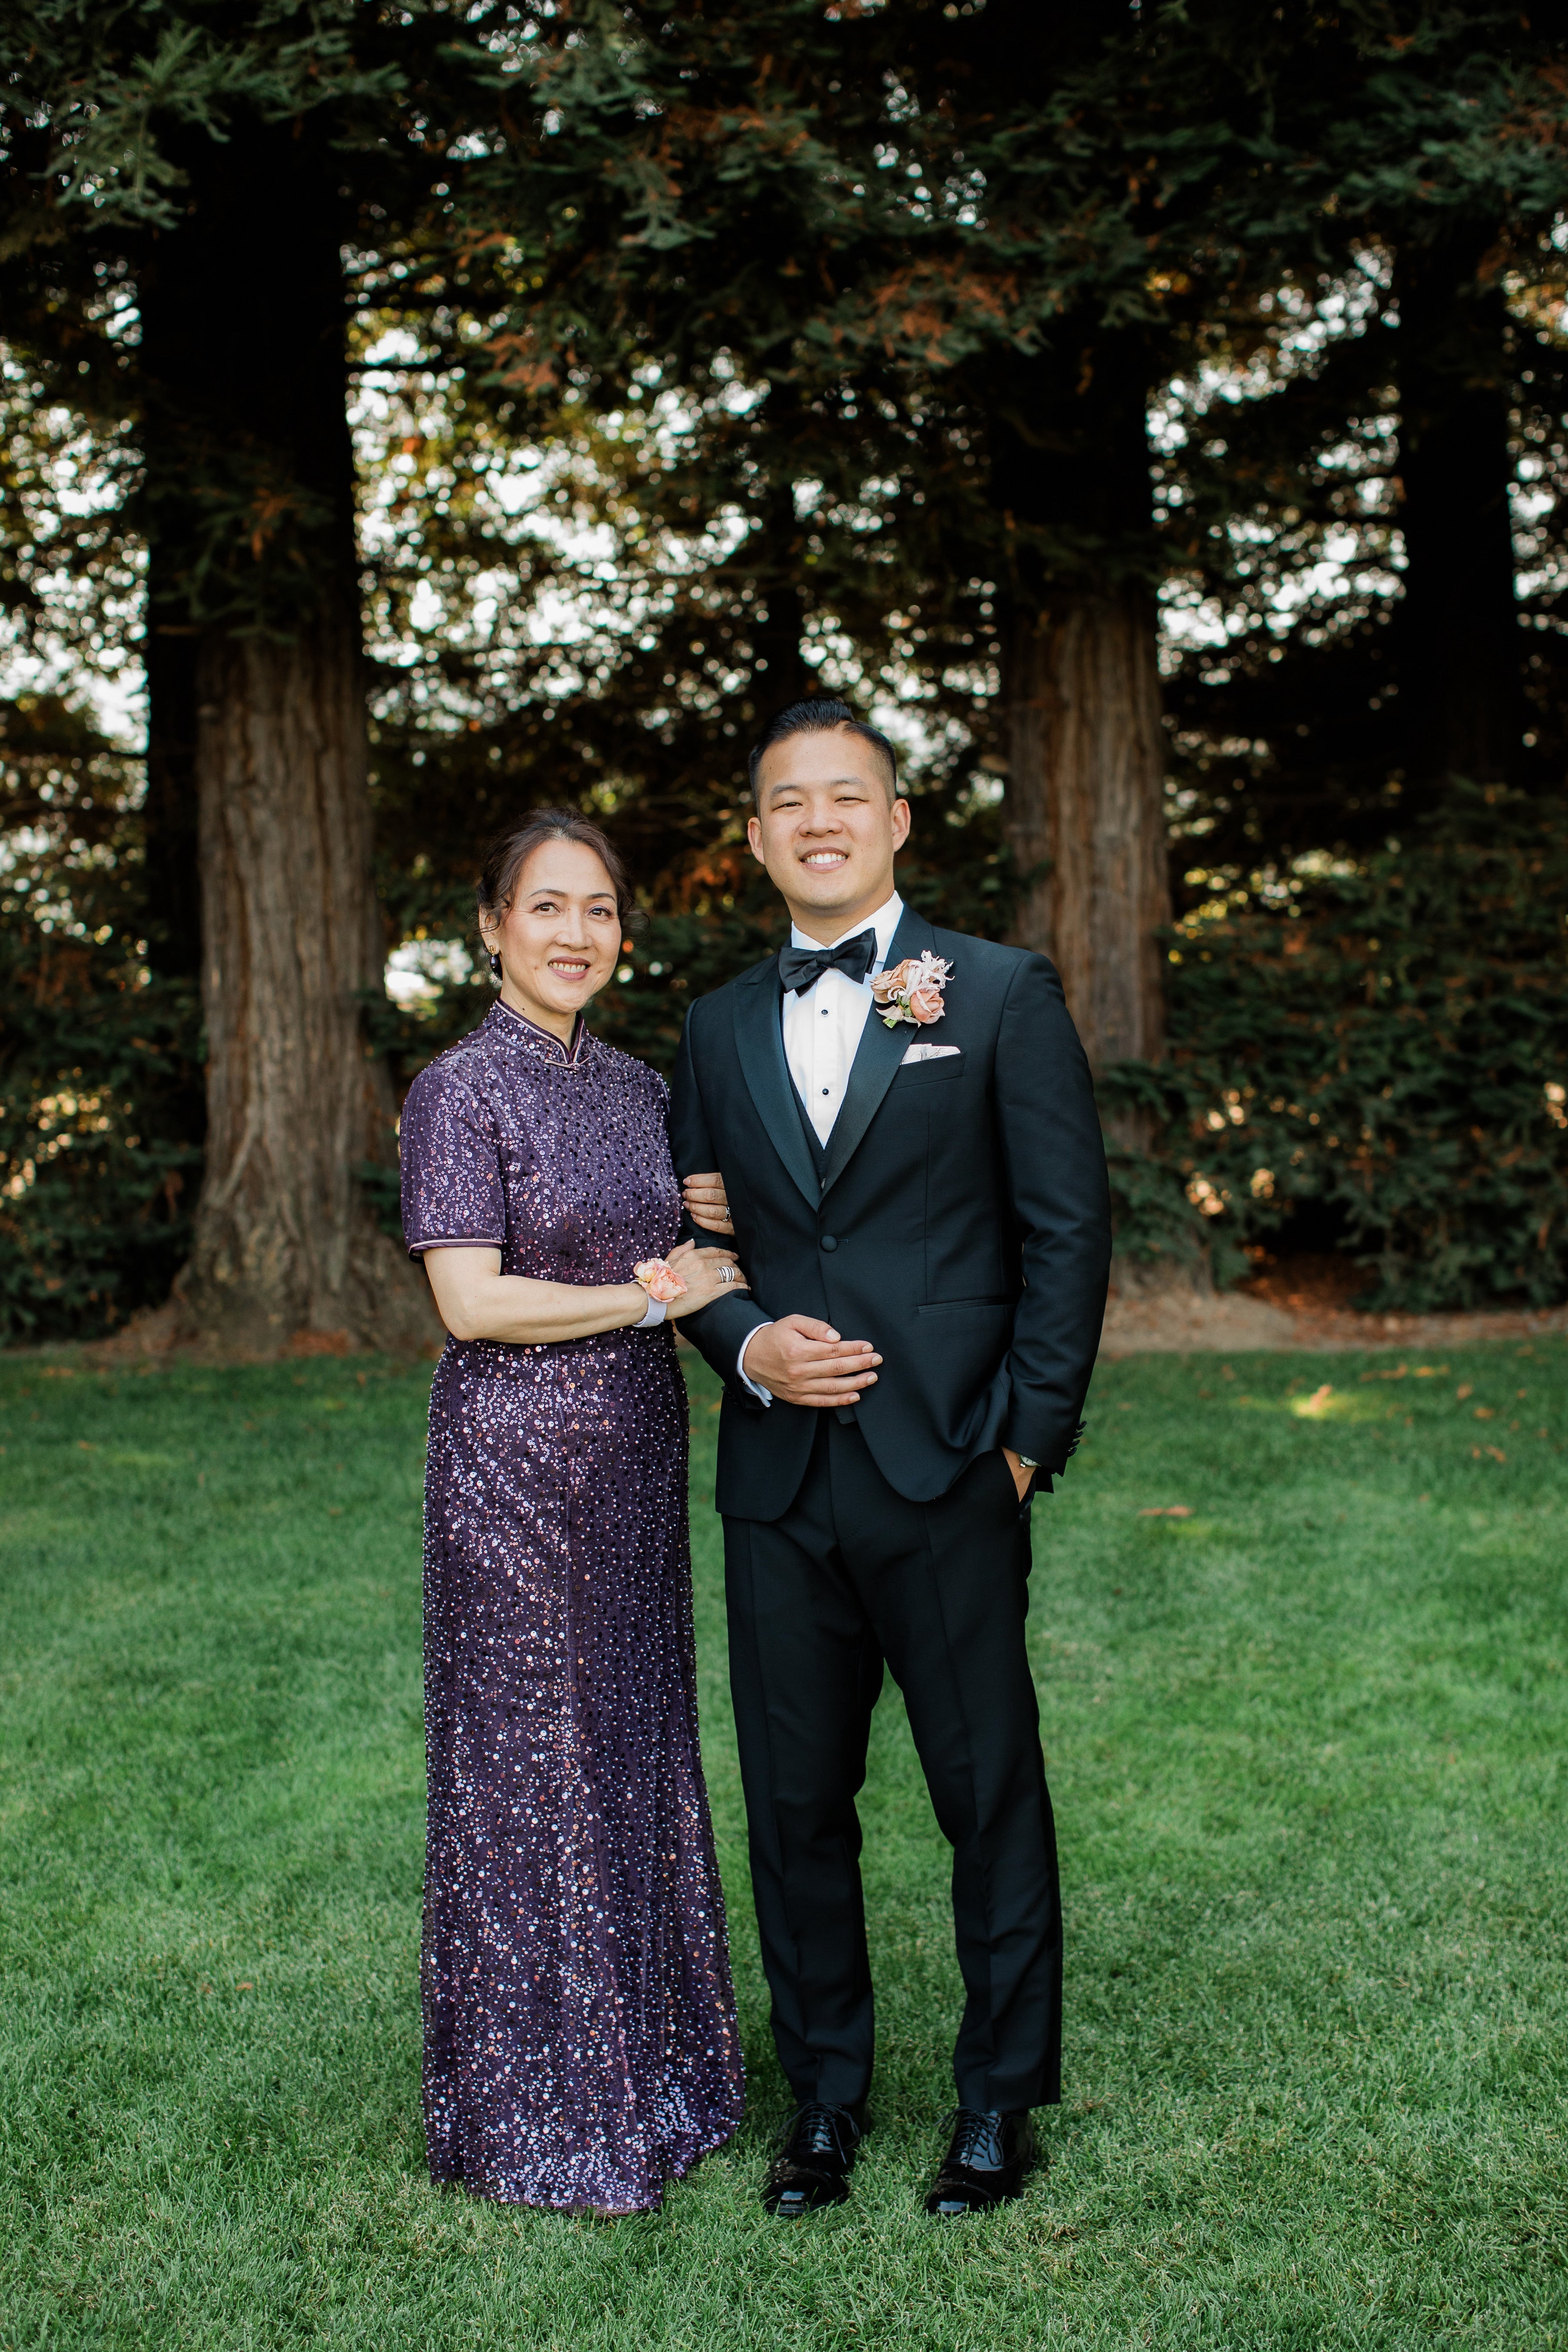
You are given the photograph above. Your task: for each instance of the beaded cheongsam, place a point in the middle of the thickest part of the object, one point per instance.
(580, 2039)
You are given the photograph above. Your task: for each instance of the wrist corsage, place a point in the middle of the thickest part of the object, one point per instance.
(662, 1283)
(659, 1279)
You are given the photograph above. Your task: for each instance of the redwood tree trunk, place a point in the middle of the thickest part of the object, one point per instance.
(1081, 687)
(1085, 811)
(285, 1242)
(171, 654)
(259, 711)
(1461, 676)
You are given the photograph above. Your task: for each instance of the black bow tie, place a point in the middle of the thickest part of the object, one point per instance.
(802, 968)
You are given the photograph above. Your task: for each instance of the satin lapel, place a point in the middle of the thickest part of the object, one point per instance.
(877, 1058)
(758, 1034)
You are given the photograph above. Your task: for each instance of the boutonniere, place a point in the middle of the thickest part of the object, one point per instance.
(911, 990)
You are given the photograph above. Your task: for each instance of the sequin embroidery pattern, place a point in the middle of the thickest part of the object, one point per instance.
(580, 2036)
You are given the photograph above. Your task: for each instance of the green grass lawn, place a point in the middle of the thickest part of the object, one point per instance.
(1307, 1746)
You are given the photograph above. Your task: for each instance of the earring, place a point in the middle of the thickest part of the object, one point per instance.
(495, 965)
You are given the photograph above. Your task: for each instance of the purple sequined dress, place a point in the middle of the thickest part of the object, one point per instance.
(580, 2037)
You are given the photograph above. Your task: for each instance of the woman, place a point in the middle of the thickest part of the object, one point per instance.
(580, 2039)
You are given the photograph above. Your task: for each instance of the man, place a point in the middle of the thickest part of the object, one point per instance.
(898, 1124)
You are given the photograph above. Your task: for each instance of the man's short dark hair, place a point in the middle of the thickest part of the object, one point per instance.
(820, 716)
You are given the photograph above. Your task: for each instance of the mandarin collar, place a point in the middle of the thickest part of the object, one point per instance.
(519, 1030)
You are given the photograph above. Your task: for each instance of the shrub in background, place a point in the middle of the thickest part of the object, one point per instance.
(101, 1103)
(1389, 1043)
(1392, 1044)
(101, 1093)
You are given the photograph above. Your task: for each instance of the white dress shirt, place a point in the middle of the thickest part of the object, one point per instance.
(822, 1031)
(822, 1026)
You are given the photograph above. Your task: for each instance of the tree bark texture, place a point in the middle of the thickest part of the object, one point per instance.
(258, 752)
(1085, 811)
(1067, 434)
(285, 1239)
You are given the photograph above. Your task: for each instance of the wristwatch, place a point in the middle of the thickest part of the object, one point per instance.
(1028, 1462)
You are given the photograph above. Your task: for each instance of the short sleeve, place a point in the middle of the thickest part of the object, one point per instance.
(452, 1192)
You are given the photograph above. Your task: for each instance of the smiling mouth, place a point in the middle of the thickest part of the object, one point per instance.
(824, 860)
(572, 968)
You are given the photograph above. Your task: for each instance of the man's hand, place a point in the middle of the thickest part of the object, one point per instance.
(1021, 1478)
(803, 1362)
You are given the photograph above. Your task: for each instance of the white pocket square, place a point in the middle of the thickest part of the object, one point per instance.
(930, 1052)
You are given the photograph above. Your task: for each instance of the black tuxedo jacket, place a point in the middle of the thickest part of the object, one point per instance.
(960, 1220)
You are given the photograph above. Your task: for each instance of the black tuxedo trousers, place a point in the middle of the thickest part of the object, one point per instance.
(853, 1574)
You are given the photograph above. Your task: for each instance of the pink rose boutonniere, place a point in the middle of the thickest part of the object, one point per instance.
(660, 1281)
(911, 990)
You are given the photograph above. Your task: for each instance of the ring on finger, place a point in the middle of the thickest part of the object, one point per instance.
(726, 1274)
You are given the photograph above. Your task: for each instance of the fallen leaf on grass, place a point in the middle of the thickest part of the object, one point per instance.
(334, 1510)
(1431, 1372)
(1496, 1451)
(1465, 1389)
(245, 1988)
(1486, 1413)
(1312, 1408)
(1167, 1511)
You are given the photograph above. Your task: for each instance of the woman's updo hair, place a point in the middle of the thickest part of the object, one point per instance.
(510, 852)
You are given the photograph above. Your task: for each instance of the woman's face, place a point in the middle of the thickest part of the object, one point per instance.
(558, 939)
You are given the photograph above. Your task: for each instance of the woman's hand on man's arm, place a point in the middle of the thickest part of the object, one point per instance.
(476, 1301)
(707, 1203)
(702, 1270)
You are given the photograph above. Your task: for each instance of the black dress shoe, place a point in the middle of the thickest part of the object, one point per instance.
(985, 2164)
(813, 2167)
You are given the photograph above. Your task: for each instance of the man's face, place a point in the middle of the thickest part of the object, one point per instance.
(825, 827)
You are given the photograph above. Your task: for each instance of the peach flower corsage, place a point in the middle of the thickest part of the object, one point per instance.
(661, 1280)
(912, 990)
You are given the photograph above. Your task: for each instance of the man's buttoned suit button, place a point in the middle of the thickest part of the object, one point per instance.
(830, 1241)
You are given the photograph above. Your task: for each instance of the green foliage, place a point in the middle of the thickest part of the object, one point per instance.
(1390, 1045)
(100, 1090)
(1305, 1750)
(799, 344)
(101, 1085)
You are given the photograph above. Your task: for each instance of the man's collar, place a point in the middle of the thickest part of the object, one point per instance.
(884, 922)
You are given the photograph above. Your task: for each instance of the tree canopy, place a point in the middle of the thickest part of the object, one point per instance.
(1154, 415)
